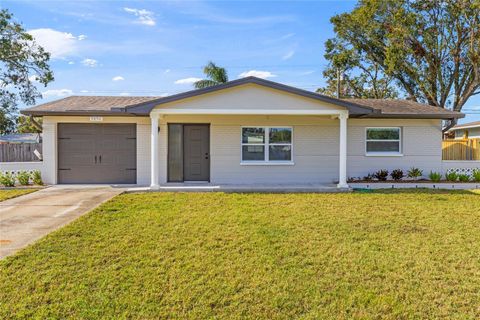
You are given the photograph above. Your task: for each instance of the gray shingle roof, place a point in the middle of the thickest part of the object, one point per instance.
(87, 104)
(400, 108)
(131, 106)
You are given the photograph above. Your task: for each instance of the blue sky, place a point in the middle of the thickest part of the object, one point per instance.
(159, 47)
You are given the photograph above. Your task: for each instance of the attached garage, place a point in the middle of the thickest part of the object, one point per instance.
(96, 153)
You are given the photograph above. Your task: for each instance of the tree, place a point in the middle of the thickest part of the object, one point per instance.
(25, 125)
(215, 75)
(350, 75)
(7, 125)
(22, 63)
(430, 47)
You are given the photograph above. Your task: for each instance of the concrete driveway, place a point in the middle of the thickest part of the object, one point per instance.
(27, 218)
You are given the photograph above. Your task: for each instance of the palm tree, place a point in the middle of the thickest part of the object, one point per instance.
(215, 75)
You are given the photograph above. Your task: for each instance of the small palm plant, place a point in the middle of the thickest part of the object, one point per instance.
(215, 75)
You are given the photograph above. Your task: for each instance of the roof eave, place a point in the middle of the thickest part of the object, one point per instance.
(415, 116)
(79, 113)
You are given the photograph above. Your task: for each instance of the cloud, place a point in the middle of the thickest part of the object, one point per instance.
(124, 94)
(71, 62)
(57, 93)
(166, 71)
(90, 62)
(118, 78)
(145, 17)
(82, 37)
(288, 55)
(84, 91)
(256, 73)
(59, 44)
(187, 80)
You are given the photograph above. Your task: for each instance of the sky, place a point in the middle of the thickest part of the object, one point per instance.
(143, 48)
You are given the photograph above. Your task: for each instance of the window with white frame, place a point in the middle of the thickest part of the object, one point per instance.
(383, 140)
(266, 144)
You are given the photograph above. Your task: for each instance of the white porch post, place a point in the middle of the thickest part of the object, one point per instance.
(342, 178)
(154, 184)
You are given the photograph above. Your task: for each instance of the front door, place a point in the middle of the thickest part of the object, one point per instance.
(196, 152)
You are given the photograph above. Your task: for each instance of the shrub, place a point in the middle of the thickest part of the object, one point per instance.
(414, 173)
(476, 175)
(397, 174)
(7, 179)
(451, 176)
(37, 177)
(464, 177)
(381, 175)
(369, 177)
(23, 178)
(435, 176)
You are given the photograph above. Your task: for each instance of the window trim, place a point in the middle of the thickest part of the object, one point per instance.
(266, 146)
(398, 153)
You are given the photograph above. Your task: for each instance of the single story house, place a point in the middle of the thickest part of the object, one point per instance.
(470, 130)
(246, 131)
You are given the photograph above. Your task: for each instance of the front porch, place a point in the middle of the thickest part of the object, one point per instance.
(316, 157)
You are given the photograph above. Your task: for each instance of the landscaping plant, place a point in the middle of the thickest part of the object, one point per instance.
(451, 176)
(397, 174)
(435, 176)
(7, 179)
(23, 178)
(476, 175)
(369, 177)
(414, 173)
(464, 177)
(37, 177)
(381, 175)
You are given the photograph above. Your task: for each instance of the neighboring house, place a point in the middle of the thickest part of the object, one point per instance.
(247, 131)
(21, 138)
(469, 130)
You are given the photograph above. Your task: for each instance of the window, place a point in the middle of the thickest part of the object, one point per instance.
(383, 141)
(266, 144)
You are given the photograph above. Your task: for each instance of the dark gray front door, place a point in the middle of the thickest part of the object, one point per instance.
(96, 153)
(196, 149)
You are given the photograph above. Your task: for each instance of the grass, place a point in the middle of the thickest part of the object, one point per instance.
(381, 255)
(13, 193)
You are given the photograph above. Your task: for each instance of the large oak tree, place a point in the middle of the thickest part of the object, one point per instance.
(430, 47)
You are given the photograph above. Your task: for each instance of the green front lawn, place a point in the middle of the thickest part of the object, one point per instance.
(393, 255)
(12, 193)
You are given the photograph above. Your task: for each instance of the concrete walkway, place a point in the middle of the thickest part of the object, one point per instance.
(27, 218)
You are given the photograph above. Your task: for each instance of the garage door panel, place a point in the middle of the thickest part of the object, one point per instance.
(77, 144)
(119, 130)
(113, 146)
(75, 129)
(77, 159)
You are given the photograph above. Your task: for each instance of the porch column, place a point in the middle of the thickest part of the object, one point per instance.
(154, 184)
(342, 178)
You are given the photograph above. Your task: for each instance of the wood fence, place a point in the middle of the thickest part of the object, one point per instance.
(461, 149)
(19, 152)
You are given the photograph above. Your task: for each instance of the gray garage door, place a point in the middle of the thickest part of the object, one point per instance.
(96, 153)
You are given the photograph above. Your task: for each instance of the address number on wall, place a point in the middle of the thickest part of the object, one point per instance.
(96, 119)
